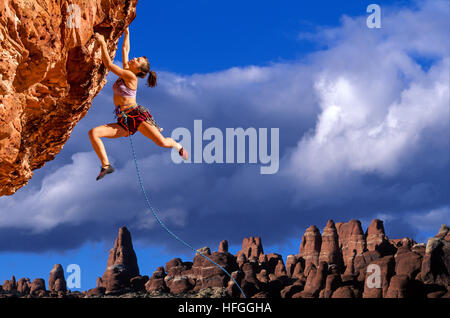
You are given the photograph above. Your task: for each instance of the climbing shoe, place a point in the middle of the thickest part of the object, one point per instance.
(183, 153)
(105, 171)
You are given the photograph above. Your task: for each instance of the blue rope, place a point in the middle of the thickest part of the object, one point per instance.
(159, 220)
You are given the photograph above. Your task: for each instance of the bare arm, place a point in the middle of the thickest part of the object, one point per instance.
(125, 48)
(125, 74)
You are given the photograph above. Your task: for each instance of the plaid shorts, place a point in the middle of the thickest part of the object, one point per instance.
(135, 115)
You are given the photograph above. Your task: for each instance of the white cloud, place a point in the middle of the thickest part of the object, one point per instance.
(376, 102)
(430, 221)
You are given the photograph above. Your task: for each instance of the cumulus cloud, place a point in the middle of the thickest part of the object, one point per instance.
(363, 133)
(377, 102)
(352, 136)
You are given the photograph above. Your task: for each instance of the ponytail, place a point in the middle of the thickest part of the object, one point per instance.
(145, 69)
(151, 80)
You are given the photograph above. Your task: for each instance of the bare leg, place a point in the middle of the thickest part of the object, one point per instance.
(154, 134)
(112, 130)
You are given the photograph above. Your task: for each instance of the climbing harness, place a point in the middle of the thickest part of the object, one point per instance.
(124, 115)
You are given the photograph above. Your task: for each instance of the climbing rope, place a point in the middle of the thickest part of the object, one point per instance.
(159, 220)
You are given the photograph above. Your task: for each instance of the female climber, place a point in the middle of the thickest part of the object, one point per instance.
(138, 117)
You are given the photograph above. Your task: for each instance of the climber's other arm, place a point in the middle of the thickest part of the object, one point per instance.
(125, 49)
(125, 74)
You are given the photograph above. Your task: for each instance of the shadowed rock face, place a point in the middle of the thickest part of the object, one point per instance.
(410, 270)
(49, 74)
(435, 268)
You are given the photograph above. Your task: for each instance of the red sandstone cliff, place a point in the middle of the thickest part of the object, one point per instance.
(50, 71)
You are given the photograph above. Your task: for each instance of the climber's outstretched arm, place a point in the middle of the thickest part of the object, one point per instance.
(125, 74)
(125, 49)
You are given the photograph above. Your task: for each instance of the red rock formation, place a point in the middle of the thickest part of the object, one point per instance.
(333, 281)
(419, 248)
(209, 275)
(375, 235)
(291, 290)
(311, 289)
(397, 287)
(386, 266)
(262, 276)
(251, 248)
(444, 233)
(329, 250)
(122, 263)
(280, 269)
(344, 292)
(403, 242)
(412, 271)
(204, 250)
(435, 267)
(310, 246)
(362, 261)
(156, 282)
(179, 276)
(232, 288)
(291, 262)
(250, 283)
(408, 264)
(262, 260)
(241, 259)
(137, 283)
(50, 71)
(315, 281)
(10, 285)
(56, 281)
(377, 240)
(274, 286)
(270, 262)
(299, 269)
(24, 286)
(352, 242)
(38, 287)
(223, 247)
(96, 292)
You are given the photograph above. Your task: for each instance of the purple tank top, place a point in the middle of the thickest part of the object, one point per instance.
(121, 89)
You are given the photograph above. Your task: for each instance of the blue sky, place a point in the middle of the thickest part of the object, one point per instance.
(364, 132)
(207, 36)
